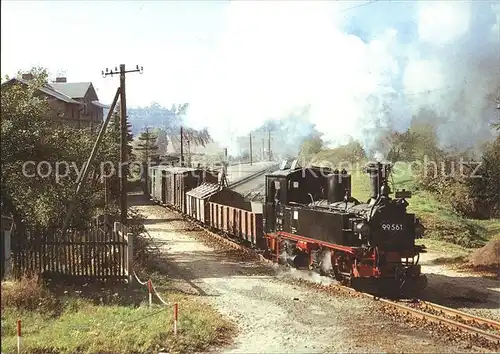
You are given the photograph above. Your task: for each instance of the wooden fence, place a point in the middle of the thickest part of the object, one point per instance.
(98, 254)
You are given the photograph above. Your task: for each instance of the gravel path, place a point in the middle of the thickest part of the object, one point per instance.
(274, 314)
(464, 291)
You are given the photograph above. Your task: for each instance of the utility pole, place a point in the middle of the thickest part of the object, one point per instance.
(250, 149)
(123, 137)
(269, 145)
(182, 148)
(262, 149)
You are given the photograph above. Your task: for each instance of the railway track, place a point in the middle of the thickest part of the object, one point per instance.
(252, 176)
(481, 333)
(484, 333)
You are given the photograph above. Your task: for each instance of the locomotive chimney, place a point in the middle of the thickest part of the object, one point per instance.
(378, 179)
(373, 169)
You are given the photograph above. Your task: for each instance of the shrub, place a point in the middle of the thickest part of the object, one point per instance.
(471, 193)
(28, 294)
(143, 244)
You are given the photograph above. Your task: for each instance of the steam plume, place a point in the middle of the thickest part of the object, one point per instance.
(360, 71)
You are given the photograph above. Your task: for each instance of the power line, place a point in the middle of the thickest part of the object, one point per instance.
(359, 5)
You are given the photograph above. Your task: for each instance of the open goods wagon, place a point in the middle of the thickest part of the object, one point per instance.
(224, 210)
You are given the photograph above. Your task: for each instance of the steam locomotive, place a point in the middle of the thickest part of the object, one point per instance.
(310, 220)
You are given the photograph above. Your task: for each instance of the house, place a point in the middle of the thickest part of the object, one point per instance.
(75, 102)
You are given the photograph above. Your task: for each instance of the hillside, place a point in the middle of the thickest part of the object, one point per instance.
(446, 230)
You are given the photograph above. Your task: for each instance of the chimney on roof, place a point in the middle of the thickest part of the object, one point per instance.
(60, 79)
(27, 76)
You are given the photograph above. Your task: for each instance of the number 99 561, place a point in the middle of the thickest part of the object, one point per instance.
(392, 227)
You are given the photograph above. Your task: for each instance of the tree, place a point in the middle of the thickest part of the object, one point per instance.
(351, 152)
(309, 148)
(147, 146)
(193, 137)
(497, 124)
(161, 140)
(485, 184)
(114, 132)
(402, 146)
(39, 199)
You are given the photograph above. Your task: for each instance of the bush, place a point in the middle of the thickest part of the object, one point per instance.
(28, 294)
(143, 244)
(471, 193)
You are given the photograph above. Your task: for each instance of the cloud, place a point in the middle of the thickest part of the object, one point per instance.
(276, 57)
(442, 22)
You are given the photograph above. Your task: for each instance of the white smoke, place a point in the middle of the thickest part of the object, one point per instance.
(326, 262)
(307, 275)
(276, 57)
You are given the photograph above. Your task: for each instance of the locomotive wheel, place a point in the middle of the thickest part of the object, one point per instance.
(338, 276)
(335, 265)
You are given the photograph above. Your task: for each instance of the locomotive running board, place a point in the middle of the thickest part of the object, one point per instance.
(286, 235)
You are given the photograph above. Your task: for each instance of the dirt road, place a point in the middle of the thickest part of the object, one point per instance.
(275, 316)
(464, 291)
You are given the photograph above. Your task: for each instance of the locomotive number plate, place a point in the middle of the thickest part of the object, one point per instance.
(392, 227)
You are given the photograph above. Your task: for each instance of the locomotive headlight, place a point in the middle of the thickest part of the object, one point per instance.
(363, 229)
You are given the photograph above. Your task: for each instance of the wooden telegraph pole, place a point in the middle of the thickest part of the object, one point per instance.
(250, 149)
(182, 148)
(269, 145)
(123, 136)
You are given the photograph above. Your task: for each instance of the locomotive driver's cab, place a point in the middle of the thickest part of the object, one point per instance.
(294, 184)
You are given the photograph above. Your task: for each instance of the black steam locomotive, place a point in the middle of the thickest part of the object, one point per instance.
(311, 220)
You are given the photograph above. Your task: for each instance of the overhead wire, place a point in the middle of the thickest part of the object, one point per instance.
(359, 5)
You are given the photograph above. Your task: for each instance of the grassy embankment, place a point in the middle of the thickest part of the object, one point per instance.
(447, 232)
(117, 319)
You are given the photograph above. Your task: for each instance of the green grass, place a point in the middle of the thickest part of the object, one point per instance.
(445, 228)
(109, 320)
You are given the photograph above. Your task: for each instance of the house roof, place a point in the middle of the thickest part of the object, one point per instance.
(99, 104)
(48, 90)
(72, 89)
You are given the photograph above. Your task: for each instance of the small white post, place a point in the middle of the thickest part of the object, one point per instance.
(176, 317)
(150, 291)
(18, 336)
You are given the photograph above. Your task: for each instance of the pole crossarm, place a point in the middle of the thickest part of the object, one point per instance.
(116, 71)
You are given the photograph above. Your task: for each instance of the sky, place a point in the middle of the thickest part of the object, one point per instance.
(240, 62)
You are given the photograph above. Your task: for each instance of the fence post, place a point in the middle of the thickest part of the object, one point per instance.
(7, 253)
(130, 256)
(116, 226)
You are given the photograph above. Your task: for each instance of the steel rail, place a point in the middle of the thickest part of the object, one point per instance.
(491, 337)
(460, 314)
